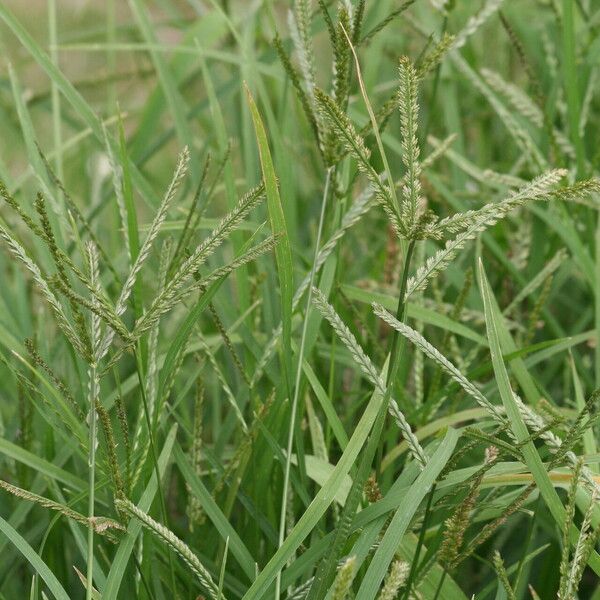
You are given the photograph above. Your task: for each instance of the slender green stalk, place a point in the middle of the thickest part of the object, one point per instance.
(400, 314)
(111, 62)
(54, 92)
(435, 87)
(597, 301)
(163, 506)
(56, 113)
(571, 82)
(297, 382)
(373, 119)
(397, 343)
(526, 542)
(94, 393)
(415, 561)
(91, 483)
(408, 250)
(440, 584)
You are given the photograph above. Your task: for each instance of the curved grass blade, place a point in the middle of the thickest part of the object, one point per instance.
(320, 503)
(530, 453)
(34, 560)
(119, 563)
(402, 517)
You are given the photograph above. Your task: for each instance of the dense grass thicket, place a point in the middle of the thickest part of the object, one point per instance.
(299, 299)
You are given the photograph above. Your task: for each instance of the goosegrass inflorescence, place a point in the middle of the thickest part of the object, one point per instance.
(300, 300)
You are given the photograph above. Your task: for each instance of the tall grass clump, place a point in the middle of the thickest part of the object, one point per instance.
(300, 300)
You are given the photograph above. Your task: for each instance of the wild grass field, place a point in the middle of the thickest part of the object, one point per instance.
(299, 299)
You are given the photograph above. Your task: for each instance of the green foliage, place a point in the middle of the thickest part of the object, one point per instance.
(243, 350)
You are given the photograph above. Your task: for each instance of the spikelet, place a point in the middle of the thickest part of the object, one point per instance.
(396, 579)
(169, 538)
(456, 525)
(503, 576)
(12, 202)
(564, 585)
(538, 189)
(61, 259)
(155, 227)
(300, 592)
(19, 253)
(60, 412)
(341, 57)
(485, 177)
(124, 427)
(94, 274)
(171, 297)
(194, 509)
(585, 545)
(343, 579)
(101, 525)
(360, 206)
(97, 305)
(195, 212)
(412, 203)
(237, 361)
(368, 368)
(434, 57)
(152, 375)
(476, 21)
(386, 21)
(93, 382)
(357, 21)
(59, 384)
(74, 214)
(328, 21)
(416, 338)
(354, 144)
(73, 211)
(249, 255)
(168, 297)
(538, 425)
(340, 122)
(489, 529)
(520, 101)
(49, 238)
(299, 22)
(475, 222)
(169, 300)
(111, 450)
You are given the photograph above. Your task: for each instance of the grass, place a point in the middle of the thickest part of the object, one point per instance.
(300, 300)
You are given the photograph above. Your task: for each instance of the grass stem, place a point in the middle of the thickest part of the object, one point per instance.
(294, 406)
